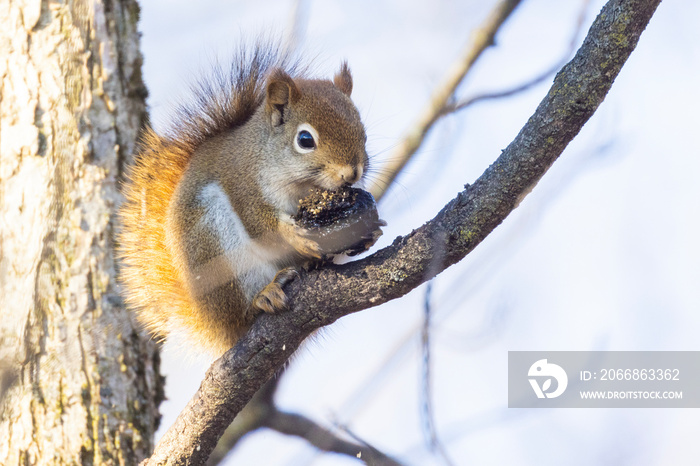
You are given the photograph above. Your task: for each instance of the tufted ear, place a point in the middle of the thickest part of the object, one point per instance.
(281, 91)
(343, 79)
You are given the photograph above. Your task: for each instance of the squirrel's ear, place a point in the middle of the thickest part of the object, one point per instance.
(343, 79)
(281, 91)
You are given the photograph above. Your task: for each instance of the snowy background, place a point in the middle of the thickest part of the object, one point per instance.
(603, 255)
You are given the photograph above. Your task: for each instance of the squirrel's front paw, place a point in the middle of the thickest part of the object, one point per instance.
(306, 246)
(272, 298)
(298, 238)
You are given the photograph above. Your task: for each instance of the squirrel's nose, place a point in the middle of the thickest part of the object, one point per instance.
(350, 175)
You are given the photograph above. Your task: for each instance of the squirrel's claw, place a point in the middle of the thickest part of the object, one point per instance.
(285, 276)
(270, 299)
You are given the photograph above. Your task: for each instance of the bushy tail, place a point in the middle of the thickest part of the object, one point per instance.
(151, 283)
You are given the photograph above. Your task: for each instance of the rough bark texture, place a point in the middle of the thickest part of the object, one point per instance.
(83, 384)
(320, 297)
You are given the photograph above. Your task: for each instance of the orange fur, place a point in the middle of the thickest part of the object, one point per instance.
(148, 274)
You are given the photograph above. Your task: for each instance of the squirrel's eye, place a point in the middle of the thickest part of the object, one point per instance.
(306, 140)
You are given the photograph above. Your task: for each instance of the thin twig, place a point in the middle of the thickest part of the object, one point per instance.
(464, 103)
(428, 414)
(482, 38)
(325, 440)
(298, 20)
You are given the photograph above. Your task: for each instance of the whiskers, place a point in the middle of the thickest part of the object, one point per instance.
(379, 177)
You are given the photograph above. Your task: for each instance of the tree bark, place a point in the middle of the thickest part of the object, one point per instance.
(79, 382)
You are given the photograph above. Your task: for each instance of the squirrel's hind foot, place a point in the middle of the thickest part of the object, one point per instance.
(272, 298)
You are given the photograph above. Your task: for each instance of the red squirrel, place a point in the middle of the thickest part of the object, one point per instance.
(208, 239)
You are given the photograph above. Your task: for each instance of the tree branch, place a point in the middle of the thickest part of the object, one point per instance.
(322, 296)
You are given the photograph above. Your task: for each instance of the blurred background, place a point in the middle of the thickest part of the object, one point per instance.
(602, 255)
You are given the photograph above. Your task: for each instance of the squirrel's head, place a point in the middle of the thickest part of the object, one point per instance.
(318, 127)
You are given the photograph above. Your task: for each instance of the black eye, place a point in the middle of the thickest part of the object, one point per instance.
(305, 140)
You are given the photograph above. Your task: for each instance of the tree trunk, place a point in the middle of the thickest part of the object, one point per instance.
(78, 382)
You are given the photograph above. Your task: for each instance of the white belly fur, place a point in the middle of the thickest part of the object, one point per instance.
(251, 263)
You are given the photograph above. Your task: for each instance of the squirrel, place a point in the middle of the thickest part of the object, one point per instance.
(207, 238)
